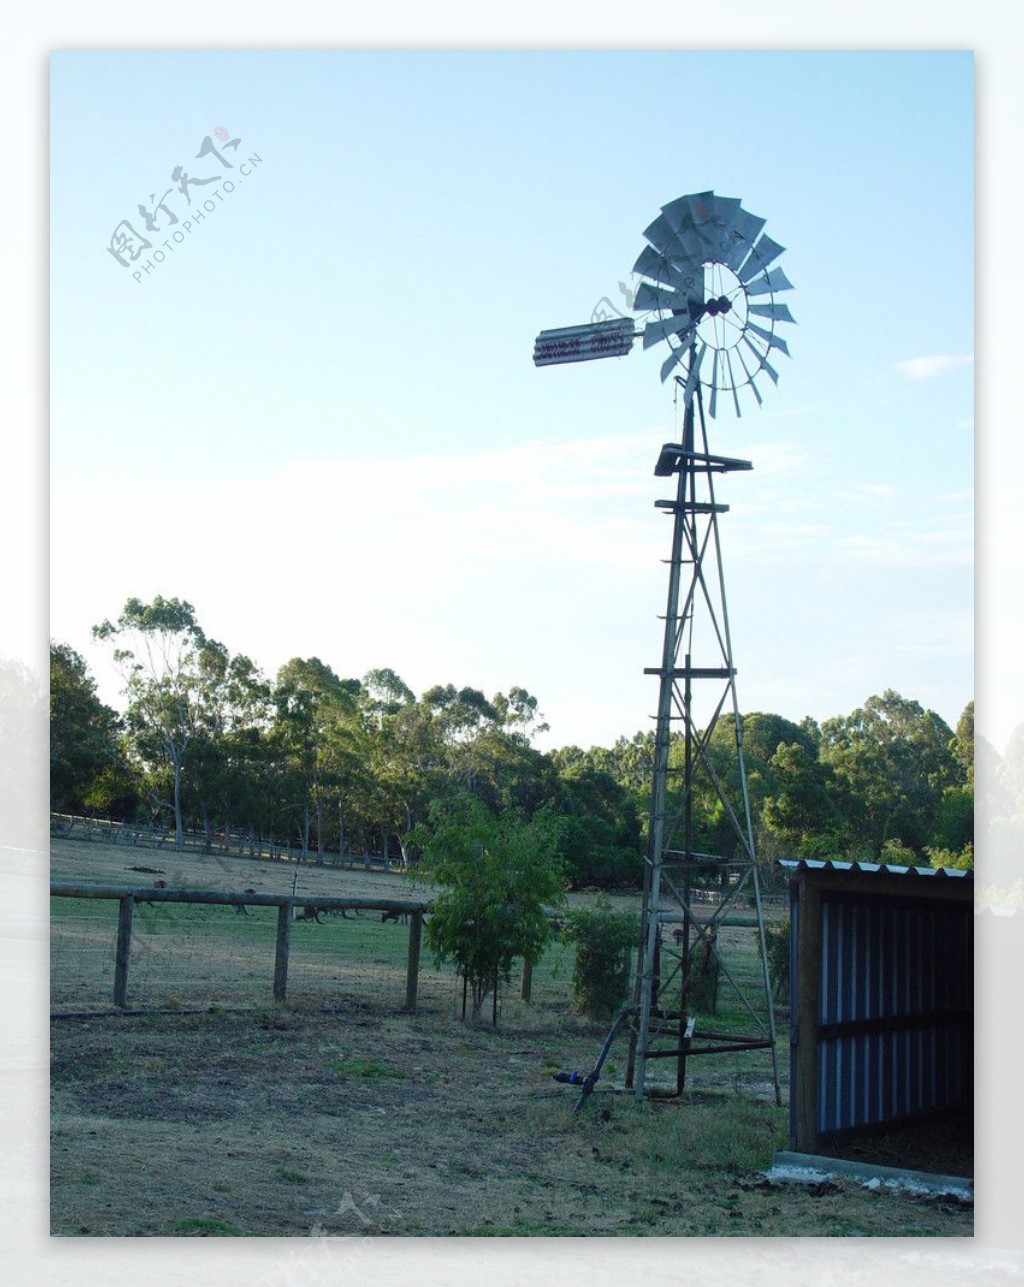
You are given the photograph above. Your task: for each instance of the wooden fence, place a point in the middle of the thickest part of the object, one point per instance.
(128, 896)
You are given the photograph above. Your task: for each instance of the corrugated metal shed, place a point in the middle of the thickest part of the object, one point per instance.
(881, 993)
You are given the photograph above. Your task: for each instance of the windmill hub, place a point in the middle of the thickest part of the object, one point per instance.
(716, 306)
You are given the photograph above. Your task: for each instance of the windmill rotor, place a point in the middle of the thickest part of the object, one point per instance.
(710, 278)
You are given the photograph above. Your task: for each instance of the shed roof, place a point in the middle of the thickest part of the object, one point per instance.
(871, 868)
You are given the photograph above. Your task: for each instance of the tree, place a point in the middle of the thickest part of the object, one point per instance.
(799, 809)
(601, 838)
(160, 651)
(498, 877)
(892, 762)
(85, 756)
(318, 736)
(229, 733)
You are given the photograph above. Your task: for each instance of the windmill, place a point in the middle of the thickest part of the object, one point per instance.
(709, 281)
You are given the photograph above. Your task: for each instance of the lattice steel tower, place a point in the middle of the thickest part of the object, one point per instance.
(708, 287)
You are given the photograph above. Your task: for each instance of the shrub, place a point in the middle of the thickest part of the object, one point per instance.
(605, 941)
(776, 939)
(498, 877)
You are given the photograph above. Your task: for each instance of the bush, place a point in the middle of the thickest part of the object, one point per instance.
(776, 938)
(605, 941)
(497, 878)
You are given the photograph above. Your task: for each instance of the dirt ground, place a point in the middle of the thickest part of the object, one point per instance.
(295, 1124)
(362, 1119)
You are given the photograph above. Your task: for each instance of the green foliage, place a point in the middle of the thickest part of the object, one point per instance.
(605, 941)
(960, 860)
(87, 766)
(498, 876)
(896, 854)
(601, 838)
(165, 660)
(892, 761)
(334, 765)
(776, 942)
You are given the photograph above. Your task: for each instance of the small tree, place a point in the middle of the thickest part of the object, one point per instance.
(498, 877)
(605, 941)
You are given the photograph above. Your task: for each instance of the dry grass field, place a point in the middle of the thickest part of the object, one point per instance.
(341, 1114)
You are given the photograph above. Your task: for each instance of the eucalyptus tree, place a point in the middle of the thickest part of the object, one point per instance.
(226, 759)
(163, 656)
(317, 736)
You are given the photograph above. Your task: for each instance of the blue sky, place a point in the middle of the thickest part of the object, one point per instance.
(318, 419)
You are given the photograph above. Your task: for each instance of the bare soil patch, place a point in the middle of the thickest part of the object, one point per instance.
(360, 1122)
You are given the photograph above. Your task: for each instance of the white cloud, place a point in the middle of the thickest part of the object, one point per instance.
(925, 368)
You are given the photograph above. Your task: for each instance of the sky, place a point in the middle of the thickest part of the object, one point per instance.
(316, 416)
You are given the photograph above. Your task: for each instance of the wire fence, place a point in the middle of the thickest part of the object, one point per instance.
(246, 844)
(114, 947)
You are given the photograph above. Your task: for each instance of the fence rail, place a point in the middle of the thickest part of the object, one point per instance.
(128, 897)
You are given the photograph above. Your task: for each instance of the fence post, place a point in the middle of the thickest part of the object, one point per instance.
(284, 933)
(124, 947)
(527, 987)
(413, 972)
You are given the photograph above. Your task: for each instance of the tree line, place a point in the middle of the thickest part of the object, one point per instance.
(337, 766)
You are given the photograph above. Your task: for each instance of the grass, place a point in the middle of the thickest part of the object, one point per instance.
(203, 1225)
(364, 1070)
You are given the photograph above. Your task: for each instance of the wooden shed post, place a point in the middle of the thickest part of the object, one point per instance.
(806, 1019)
(284, 933)
(413, 971)
(124, 948)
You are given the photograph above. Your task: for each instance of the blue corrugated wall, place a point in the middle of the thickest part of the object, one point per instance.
(895, 1016)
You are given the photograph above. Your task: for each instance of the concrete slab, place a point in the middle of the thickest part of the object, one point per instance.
(811, 1168)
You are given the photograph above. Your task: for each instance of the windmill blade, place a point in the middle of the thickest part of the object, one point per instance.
(732, 384)
(679, 213)
(746, 226)
(762, 359)
(650, 263)
(693, 375)
(735, 251)
(703, 207)
(750, 378)
(713, 405)
(720, 231)
(662, 235)
(725, 211)
(693, 245)
(678, 272)
(648, 297)
(768, 282)
(680, 326)
(770, 338)
(764, 253)
(777, 312)
(671, 362)
(686, 278)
